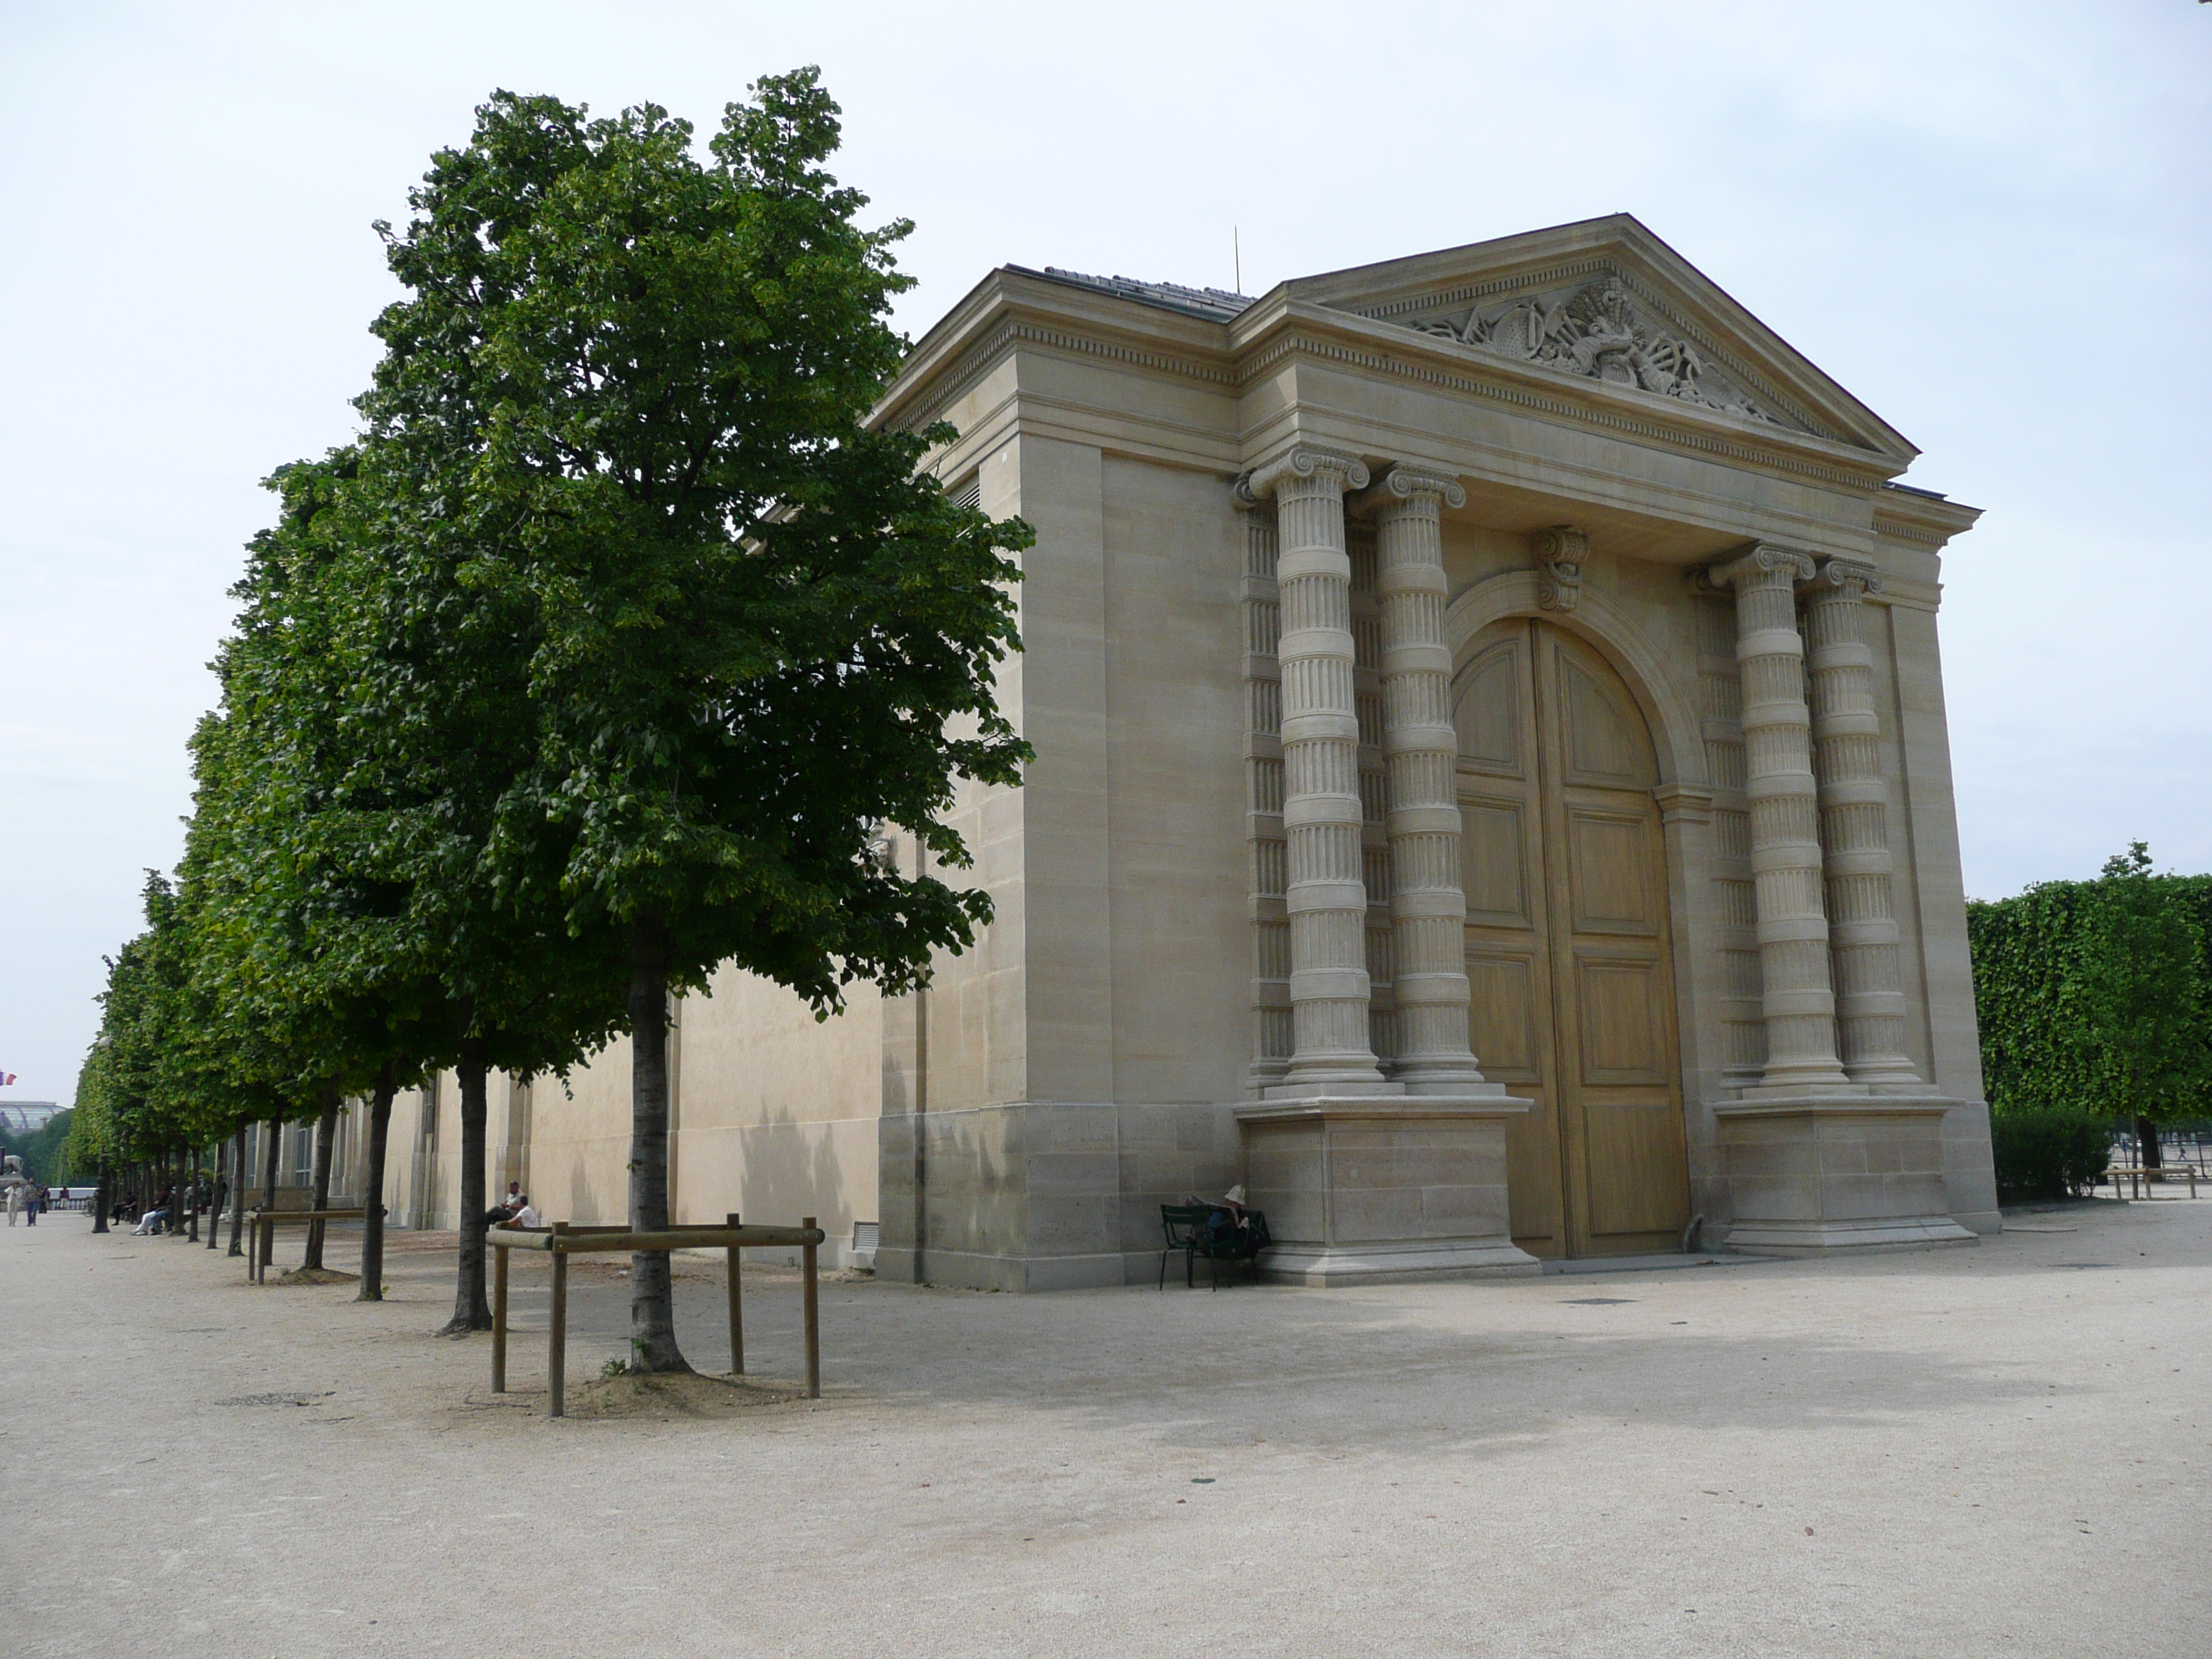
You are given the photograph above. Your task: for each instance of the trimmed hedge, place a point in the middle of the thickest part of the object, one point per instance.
(2049, 1152)
(2087, 1010)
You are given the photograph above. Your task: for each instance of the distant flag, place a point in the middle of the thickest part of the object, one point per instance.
(7, 1079)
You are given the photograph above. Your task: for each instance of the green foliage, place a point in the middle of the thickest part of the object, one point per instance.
(340, 828)
(153, 1081)
(2097, 996)
(657, 632)
(621, 419)
(601, 659)
(46, 1152)
(2049, 1152)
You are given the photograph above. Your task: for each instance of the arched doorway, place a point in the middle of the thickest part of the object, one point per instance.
(1568, 952)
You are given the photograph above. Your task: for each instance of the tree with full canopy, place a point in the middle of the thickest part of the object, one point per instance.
(620, 429)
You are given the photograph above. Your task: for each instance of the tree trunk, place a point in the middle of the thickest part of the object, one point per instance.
(2147, 1147)
(103, 1197)
(238, 1182)
(372, 1195)
(219, 1192)
(189, 1187)
(327, 1133)
(651, 1294)
(268, 1164)
(471, 1307)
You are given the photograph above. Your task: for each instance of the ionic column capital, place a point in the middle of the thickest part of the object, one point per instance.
(1405, 484)
(1856, 577)
(1301, 465)
(1760, 562)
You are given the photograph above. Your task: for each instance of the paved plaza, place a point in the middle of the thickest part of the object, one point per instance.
(1997, 1449)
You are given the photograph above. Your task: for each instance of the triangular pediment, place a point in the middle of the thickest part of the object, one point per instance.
(1606, 301)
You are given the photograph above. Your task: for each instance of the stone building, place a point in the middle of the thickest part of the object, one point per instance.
(1492, 798)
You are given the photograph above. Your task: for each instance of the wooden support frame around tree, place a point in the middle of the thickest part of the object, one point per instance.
(560, 1241)
(264, 1223)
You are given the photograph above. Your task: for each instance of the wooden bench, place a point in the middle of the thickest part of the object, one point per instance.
(2143, 1176)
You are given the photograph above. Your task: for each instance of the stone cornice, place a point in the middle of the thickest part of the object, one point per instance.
(1009, 309)
(1009, 312)
(946, 388)
(1906, 514)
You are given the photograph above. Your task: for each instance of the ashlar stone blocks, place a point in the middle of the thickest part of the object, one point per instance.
(1814, 1177)
(1365, 1189)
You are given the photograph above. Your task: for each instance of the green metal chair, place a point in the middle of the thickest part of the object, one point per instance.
(1185, 1228)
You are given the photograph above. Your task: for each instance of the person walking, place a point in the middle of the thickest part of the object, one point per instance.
(15, 1200)
(38, 1197)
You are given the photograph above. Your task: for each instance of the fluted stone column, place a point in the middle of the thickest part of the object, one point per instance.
(1428, 910)
(1798, 1004)
(1327, 895)
(1855, 826)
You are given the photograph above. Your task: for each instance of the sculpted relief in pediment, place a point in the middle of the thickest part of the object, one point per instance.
(1602, 330)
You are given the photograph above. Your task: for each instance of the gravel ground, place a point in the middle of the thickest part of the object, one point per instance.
(1995, 1449)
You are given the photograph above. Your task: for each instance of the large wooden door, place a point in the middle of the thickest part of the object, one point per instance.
(1567, 942)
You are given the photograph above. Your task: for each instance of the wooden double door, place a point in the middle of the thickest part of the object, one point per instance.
(1568, 948)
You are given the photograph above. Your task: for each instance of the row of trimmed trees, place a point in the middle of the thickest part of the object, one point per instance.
(597, 662)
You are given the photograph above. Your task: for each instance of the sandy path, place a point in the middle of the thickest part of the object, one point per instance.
(1995, 1449)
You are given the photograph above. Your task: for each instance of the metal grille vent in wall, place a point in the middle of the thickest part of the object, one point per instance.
(864, 1237)
(968, 492)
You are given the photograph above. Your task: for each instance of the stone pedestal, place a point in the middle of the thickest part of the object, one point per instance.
(1826, 1173)
(1361, 1189)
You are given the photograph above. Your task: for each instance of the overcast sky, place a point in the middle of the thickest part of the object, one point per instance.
(1988, 221)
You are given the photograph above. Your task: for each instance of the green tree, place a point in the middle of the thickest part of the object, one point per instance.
(2147, 1004)
(370, 707)
(626, 395)
(2096, 996)
(46, 1152)
(153, 1085)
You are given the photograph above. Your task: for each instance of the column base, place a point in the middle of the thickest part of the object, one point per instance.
(1369, 1189)
(1824, 1173)
(1356, 1089)
(1450, 1087)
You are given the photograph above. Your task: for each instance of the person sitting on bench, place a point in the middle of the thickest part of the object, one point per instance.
(504, 1210)
(524, 1215)
(151, 1223)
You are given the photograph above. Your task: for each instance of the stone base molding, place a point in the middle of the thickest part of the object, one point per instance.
(1317, 1267)
(1819, 1173)
(1373, 1189)
(1836, 1237)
